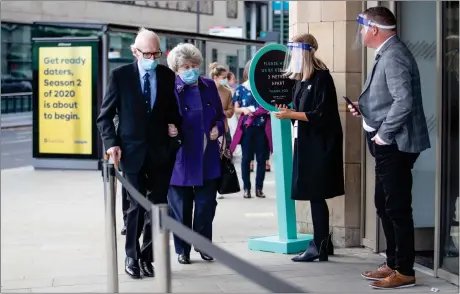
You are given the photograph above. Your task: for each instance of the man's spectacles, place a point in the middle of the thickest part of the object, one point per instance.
(149, 55)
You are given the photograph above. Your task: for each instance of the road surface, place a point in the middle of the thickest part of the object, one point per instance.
(16, 147)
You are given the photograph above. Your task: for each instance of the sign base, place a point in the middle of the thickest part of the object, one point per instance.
(276, 244)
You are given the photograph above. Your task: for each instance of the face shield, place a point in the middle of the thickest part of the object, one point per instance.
(364, 26)
(297, 58)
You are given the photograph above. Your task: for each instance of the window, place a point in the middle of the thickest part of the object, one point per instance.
(206, 6)
(232, 9)
(232, 63)
(16, 59)
(214, 55)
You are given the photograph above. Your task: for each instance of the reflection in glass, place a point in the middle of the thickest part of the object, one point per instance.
(16, 59)
(450, 213)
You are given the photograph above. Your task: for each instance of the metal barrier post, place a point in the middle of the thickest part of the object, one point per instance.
(160, 237)
(110, 226)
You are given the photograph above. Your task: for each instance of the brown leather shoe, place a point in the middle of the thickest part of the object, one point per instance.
(394, 281)
(381, 273)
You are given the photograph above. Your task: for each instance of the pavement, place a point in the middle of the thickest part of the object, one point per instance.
(15, 120)
(52, 240)
(16, 147)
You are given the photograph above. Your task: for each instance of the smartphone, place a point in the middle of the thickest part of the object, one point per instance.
(351, 103)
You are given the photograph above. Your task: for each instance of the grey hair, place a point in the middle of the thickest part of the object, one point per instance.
(142, 34)
(182, 53)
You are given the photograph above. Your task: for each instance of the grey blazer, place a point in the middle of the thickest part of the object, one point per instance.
(391, 100)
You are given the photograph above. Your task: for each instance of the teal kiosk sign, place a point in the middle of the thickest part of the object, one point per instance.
(269, 88)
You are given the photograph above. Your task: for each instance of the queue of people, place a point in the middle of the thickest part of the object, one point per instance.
(169, 148)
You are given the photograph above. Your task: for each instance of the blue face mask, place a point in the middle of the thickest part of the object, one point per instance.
(190, 76)
(223, 82)
(149, 64)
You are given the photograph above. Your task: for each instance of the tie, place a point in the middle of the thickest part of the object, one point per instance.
(147, 93)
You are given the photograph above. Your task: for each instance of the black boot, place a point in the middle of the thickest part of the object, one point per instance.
(330, 245)
(247, 194)
(312, 253)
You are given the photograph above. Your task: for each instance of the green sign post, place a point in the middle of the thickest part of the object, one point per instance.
(269, 88)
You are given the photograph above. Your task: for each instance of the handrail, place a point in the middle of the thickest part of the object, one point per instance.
(162, 223)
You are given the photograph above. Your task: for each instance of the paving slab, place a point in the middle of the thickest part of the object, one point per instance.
(53, 241)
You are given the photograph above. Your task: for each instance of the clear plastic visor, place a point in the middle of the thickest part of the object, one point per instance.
(363, 27)
(297, 58)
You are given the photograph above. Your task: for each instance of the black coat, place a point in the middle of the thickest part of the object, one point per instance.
(140, 134)
(318, 149)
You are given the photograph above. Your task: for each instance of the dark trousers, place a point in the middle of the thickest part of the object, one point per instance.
(393, 201)
(254, 141)
(124, 204)
(154, 185)
(181, 200)
(320, 219)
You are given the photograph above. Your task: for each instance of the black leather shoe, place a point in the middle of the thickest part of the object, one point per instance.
(147, 269)
(183, 259)
(132, 268)
(123, 231)
(260, 193)
(247, 194)
(312, 253)
(206, 257)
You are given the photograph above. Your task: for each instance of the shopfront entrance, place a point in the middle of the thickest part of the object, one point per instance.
(431, 31)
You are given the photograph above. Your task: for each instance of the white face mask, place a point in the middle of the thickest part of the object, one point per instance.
(223, 82)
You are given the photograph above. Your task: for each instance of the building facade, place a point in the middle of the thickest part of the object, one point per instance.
(431, 31)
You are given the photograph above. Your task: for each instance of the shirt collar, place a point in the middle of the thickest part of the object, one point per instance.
(381, 45)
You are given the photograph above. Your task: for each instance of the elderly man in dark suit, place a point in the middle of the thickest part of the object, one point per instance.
(396, 128)
(146, 140)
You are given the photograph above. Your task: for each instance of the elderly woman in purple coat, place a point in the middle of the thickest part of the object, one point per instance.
(197, 167)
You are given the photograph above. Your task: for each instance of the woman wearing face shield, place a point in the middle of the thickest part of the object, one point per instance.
(318, 160)
(197, 166)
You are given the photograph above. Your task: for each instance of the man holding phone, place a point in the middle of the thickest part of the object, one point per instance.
(396, 129)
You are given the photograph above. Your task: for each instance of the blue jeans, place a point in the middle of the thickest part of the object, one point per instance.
(254, 141)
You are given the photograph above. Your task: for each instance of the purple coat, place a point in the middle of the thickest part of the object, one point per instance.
(201, 110)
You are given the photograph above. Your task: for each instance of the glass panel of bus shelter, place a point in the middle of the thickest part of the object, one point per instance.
(450, 214)
(120, 49)
(233, 56)
(229, 55)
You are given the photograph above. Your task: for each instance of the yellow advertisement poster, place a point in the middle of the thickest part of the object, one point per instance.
(65, 100)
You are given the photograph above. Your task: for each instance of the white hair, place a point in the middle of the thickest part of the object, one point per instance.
(142, 35)
(181, 53)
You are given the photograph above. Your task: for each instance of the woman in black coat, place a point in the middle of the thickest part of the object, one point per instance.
(318, 150)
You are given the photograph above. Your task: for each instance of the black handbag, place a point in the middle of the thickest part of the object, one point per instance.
(228, 182)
